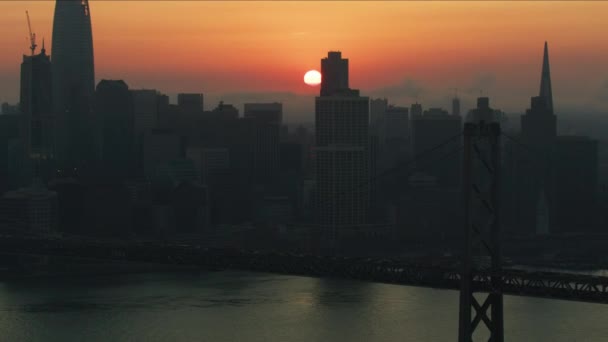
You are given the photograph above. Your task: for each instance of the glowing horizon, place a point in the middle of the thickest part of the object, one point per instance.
(219, 47)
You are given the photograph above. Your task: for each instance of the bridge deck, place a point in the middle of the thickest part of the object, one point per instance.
(563, 286)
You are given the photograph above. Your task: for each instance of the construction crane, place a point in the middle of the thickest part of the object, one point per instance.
(32, 35)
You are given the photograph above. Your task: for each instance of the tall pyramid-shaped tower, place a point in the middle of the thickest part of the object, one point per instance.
(545, 81)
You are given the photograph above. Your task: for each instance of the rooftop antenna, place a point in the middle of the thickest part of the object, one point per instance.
(32, 35)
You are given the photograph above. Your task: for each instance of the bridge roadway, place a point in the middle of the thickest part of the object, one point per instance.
(564, 286)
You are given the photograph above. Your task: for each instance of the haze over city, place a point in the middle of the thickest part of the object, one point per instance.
(242, 51)
(303, 171)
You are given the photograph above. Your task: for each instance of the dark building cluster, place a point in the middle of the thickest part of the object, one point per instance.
(553, 179)
(107, 160)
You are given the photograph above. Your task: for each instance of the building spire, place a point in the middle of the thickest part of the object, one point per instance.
(545, 80)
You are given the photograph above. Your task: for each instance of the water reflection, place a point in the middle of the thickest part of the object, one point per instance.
(241, 306)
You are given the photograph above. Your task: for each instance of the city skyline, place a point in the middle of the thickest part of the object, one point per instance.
(406, 64)
(106, 173)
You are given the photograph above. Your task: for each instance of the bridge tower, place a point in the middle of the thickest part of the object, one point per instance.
(481, 255)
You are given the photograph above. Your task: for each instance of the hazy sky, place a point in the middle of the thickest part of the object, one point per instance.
(403, 49)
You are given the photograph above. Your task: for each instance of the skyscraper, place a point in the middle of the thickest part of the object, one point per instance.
(266, 120)
(576, 179)
(536, 179)
(190, 104)
(377, 109)
(342, 149)
(36, 107)
(114, 108)
(545, 81)
(73, 83)
(429, 130)
(334, 72)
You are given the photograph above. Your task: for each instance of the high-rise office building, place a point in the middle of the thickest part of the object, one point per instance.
(377, 108)
(73, 84)
(396, 124)
(393, 137)
(535, 173)
(429, 130)
(266, 119)
(36, 108)
(342, 158)
(191, 104)
(334, 72)
(576, 175)
(151, 110)
(114, 108)
(145, 110)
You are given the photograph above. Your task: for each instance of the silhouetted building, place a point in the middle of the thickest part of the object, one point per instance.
(190, 204)
(37, 110)
(533, 168)
(377, 108)
(291, 157)
(271, 211)
(178, 170)
(416, 110)
(9, 134)
(415, 212)
(342, 159)
(114, 108)
(536, 172)
(576, 166)
(107, 209)
(266, 119)
(165, 118)
(483, 112)
(428, 131)
(9, 109)
(394, 137)
(456, 106)
(396, 124)
(291, 173)
(230, 197)
(159, 148)
(146, 103)
(189, 117)
(31, 210)
(71, 195)
(342, 192)
(73, 85)
(545, 80)
(226, 111)
(334, 72)
(191, 104)
(209, 161)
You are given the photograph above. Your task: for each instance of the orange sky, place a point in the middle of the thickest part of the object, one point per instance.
(254, 46)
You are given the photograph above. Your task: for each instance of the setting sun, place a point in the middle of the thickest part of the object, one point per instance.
(312, 78)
